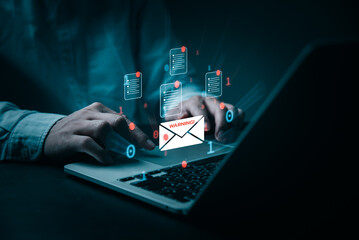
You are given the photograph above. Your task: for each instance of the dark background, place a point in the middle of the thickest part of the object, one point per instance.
(251, 41)
(256, 41)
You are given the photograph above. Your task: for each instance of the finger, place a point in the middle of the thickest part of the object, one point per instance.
(96, 129)
(116, 121)
(97, 106)
(218, 112)
(139, 137)
(87, 145)
(121, 124)
(230, 134)
(238, 116)
(172, 114)
(228, 131)
(183, 114)
(197, 107)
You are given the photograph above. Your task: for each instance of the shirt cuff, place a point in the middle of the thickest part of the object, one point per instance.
(28, 136)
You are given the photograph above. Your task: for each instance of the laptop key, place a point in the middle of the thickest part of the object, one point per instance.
(154, 172)
(178, 183)
(126, 179)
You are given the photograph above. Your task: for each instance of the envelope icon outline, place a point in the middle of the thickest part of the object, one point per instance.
(181, 133)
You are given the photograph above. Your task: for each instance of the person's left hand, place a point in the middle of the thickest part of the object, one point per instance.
(214, 113)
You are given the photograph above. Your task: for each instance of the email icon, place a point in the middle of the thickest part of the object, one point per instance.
(181, 133)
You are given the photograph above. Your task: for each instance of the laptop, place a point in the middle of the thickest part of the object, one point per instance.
(256, 169)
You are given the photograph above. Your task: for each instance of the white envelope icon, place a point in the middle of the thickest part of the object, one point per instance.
(181, 133)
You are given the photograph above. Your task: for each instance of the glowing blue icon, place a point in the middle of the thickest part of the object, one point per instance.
(166, 68)
(213, 83)
(133, 86)
(209, 67)
(210, 148)
(130, 151)
(143, 176)
(178, 61)
(229, 116)
(171, 99)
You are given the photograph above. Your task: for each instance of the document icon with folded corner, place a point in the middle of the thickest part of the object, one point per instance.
(213, 85)
(178, 61)
(170, 99)
(133, 86)
(181, 133)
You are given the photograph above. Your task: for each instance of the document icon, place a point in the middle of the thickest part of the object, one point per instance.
(181, 133)
(213, 84)
(133, 86)
(170, 99)
(178, 61)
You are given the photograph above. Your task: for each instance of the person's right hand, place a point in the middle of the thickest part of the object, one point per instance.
(86, 131)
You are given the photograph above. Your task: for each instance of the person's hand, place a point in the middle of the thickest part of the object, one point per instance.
(214, 113)
(86, 131)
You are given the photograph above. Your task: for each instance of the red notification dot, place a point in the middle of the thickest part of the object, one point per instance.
(218, 72)
(145, 105)
(132, 126)
(165, 137)
(177, 83)
(221, 105)
(138, 74)
(183, 49)
(184, 164)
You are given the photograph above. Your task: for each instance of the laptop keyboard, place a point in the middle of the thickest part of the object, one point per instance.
(178, 183)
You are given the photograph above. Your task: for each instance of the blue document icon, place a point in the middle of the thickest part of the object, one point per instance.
(170, 99)
(213, 84)
(178, 61)
(133, 86)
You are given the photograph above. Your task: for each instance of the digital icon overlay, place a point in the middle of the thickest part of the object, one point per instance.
(133, 86)
(118, 144)
(213, 84)
(228, 82)
(178, 61)
(229, 116)
(181, 133)
(210, 143)
(170, 99)
(130, 151)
